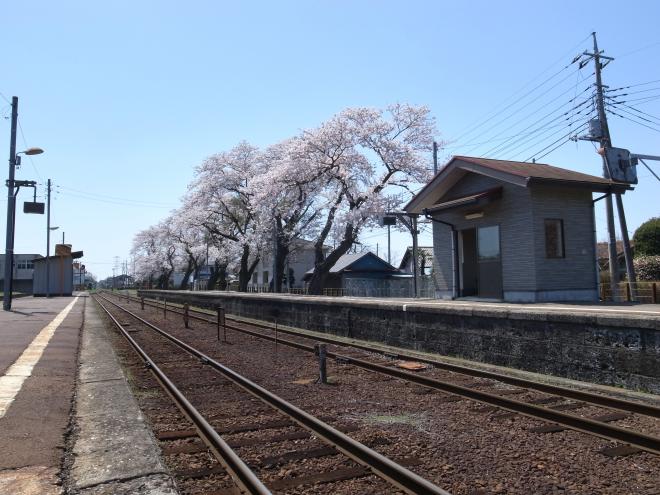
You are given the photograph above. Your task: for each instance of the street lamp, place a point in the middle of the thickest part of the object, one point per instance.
(12, 191)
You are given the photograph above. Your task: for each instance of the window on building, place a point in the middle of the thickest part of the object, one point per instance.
(255, 278)
(264, 279)
(25, 265)
(554, 238)
(488, 241)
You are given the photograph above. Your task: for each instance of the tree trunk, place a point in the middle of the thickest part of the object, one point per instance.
(322, 266)
(246, 270)
(186, 276)
(280, 263)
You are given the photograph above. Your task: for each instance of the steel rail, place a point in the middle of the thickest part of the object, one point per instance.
(603, 430)
(239, 471)
(599, 400)
(609, 432)
(386, 468)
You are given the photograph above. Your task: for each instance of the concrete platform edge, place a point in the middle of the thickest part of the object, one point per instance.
(113, 450)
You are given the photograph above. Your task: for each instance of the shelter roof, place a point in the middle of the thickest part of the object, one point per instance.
(523, 174)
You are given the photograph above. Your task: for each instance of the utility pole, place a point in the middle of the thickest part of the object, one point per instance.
(11, 210)
(605, 144)
(435, 157)
(48, 188)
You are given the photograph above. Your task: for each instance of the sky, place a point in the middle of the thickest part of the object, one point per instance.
(126, 98)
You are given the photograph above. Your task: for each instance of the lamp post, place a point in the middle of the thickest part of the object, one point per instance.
(12, 191)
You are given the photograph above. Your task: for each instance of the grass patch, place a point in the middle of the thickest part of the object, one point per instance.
(394, 419)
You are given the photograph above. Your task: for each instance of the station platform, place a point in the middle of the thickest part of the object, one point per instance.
(68, 422)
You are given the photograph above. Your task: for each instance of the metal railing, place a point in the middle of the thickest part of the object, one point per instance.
(643, 292)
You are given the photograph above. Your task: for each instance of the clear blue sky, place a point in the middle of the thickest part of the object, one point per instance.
(127, 97)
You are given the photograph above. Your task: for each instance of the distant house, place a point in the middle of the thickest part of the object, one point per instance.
(301, 258)
(602, 249)
(424, 260)
(22, 272)
(513, 231)
(365, 274)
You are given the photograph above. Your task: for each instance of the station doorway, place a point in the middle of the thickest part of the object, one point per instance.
(480, 262)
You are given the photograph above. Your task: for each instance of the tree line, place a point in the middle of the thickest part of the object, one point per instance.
(325, 185)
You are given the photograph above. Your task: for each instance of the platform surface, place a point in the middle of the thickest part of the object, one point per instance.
(38, 366)
(41, 368)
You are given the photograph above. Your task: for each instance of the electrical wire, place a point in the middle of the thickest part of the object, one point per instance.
(565, 136)
(633, 120)
(646, 47)
(119, 203)
(34, 166)
(116, 198)
(516, 152)
(479, 123)
(534, 112)
(509, 116)
(621, 106)
(541, 127)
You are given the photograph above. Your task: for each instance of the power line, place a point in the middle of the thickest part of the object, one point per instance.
(536, 98)
(633, 120)
(536, 111)
(20, 128)
(116, 198)
(120, 203)
(571, 113)
(632, 85)
(639, 49)
(619, 105)
(472, 127)
(565, 136)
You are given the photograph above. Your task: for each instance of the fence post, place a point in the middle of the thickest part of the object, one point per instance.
(165, 309)
(221, 322)
(654, 293)
(142, 303)
(628, 298)
(186, 315)
(320, 351)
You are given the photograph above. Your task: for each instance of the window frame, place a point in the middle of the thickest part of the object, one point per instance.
(562, 238)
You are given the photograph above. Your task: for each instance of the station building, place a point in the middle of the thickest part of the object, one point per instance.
(513, 231)
(22, 272)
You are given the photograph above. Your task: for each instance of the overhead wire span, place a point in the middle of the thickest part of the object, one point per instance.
(510, 115)
(115, 202)
(564, 137)
(34, 166)
(478, 123)
(516, 151)
(541, 134)
(536, 111)
(622, 106)
(609, 110)
(541, 125)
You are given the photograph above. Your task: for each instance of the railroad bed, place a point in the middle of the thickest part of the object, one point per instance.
(461, 445)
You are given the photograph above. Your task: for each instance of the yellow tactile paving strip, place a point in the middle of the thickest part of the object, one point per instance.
(12, 382)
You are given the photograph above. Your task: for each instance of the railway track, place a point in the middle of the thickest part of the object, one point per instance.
(597, 425)
(351, 459)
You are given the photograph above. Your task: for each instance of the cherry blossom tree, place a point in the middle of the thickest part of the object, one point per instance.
(155, 254)
(367, 160)
(221, 194)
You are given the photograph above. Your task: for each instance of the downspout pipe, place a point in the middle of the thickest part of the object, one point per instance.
(593, 219)
(454, 249)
